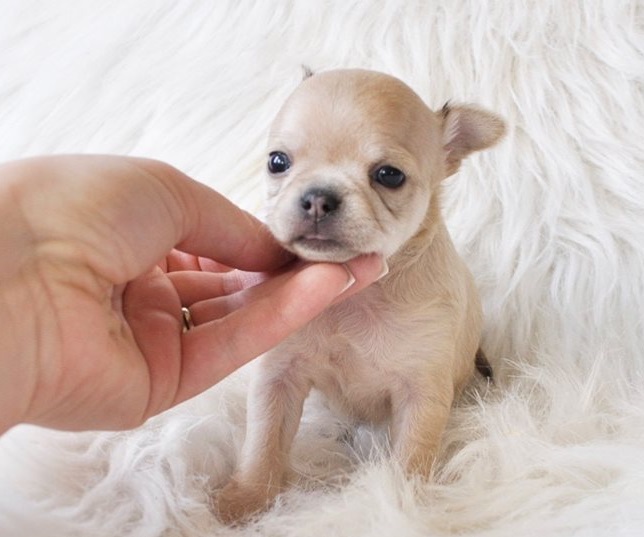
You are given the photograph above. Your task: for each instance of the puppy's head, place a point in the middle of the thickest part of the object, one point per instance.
(354, 159)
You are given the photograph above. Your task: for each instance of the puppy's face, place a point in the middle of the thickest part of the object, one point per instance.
(352, 159)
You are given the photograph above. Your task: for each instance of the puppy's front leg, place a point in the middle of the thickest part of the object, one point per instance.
(420, 414)
(275, 402)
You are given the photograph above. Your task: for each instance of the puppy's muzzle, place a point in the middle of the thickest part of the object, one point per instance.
(315, 225)
(316, 204)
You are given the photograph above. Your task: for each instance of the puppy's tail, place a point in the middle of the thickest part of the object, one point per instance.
(483, 366)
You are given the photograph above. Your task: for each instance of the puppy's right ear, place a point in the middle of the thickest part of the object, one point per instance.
(467, 129)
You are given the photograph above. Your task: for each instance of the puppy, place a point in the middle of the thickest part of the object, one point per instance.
(355, 164)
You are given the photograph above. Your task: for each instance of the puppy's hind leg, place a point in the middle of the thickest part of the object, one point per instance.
(275, 402)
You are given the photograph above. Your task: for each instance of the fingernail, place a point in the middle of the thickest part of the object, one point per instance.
(351, 279)
(385, 269)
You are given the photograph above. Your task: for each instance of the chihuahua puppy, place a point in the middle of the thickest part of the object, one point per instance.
(355, 165)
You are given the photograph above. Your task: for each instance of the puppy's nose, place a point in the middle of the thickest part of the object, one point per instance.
(318, 203)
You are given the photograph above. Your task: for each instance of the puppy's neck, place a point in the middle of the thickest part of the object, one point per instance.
(431, 231)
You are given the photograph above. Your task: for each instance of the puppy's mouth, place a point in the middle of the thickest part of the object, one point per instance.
(317, 247)
(317, 242)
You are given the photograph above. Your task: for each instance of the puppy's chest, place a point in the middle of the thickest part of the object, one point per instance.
(365, 341)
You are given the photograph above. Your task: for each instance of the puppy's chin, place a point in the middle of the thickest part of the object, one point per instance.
(321, 250)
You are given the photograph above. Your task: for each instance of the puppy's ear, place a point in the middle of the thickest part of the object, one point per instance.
(467, 129)
(306, 72)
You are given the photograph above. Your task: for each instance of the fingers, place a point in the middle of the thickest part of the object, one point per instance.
(177, 260)
(195, 286)
(219, 347)
(245, 288)
(214, 295)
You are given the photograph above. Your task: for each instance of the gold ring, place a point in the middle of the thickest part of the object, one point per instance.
(188, 323)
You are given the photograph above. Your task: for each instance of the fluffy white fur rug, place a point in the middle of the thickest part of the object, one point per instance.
(551, 223)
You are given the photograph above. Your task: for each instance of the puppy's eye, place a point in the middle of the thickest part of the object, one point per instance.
(389, 177)
(278, 162)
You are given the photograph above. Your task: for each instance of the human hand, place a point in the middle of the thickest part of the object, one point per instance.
(91, 290)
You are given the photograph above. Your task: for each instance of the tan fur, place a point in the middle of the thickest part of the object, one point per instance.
(401, 349)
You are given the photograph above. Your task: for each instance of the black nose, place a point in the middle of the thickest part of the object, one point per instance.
(319, 202)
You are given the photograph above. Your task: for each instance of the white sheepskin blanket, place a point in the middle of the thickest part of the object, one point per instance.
(551, 222)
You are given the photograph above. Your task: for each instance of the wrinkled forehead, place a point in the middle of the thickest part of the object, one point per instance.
(342, 114)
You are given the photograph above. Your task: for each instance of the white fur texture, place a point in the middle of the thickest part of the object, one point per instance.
(551, 223)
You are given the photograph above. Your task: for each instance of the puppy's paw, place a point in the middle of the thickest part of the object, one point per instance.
(420, 465)
(236, 503)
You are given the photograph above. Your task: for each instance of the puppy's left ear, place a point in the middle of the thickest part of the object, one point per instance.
(467, 129)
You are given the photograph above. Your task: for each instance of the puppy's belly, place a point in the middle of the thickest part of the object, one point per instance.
(354, 384)
(358, 402)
